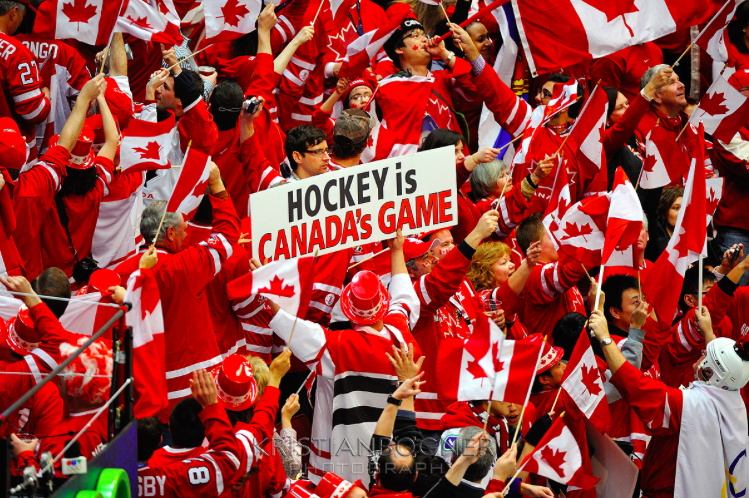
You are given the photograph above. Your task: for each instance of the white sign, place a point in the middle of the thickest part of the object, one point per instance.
(355, 206)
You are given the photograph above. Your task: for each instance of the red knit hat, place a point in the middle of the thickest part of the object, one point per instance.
(12, 144)
(236, 385)
(366, 79)
(20, 335)
(365, 300)
(550, 356)
(95, 365)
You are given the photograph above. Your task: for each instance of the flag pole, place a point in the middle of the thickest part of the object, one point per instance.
(559, 391)
(104, 59)
(598, 290)
(368, 258)
(188, 57)
(511, 142)
(682, 131)
(474, 17)
(639, 285)
(682, 54)
(288, 343)
(519, 426)
(318, 13)
(586, 272)
(699, 288)
(303, 383)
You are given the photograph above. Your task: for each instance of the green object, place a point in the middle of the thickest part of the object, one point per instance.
(113, 483)
(88, 494)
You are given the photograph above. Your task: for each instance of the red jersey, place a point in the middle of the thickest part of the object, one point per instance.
(549, 294)
(91, 442)
(624, 69)
(21, 97)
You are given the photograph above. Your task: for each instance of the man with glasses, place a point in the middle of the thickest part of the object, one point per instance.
(307, 151)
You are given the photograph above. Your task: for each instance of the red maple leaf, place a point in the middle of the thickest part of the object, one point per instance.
(571, 230)
(649, 163)
(615, 9)
(78, 12)
(277, 288)
(475, 369)
(233, 11)
(562, 206)
(712, 203)
(151, 151)
(495, 358)
(591, 376)
(141, 21)
(555, 459)
(712, 104)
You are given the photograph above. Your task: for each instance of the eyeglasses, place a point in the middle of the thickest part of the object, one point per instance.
(320, 152)
(416, 34)
(545, 94)
(361, 96)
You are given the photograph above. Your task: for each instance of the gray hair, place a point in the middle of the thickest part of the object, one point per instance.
(650, 74)
(7, 5)
(644, 222)
(149, 221)
(484, 178)
(479, 469)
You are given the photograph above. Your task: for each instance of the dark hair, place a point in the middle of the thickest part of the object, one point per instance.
(186, 427)
(614, 288)
(440, 138)
(244, 416)
(149, 437)
(226, 102)
(79, 181)
(736, 27)
(199, 83)
(392, 476)
(668, 196)
(566, 332)
(529, 231)
(431, 468)
(204, 213)
(53, 282)
(559, 78)
(692, 286)
(612, 93)
(300, 139)
(246, 45)
(27, 25)
(537, 386)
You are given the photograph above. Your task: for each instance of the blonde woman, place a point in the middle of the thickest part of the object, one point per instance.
(498, 283)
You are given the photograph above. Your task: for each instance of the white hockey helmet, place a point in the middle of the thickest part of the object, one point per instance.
(726, 364)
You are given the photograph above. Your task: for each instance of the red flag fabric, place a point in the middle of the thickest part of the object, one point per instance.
(712, 38)
(664, 163)
(468, 367)
(584, 383)
(191, 184)
(145, 145)
(288, 283)
(595, 28)
(82, 317)
(516, 370)
(563, 96)
(624, 219)
(227, 20)
(587, 134)
(339, 9)
(10, 259)
(663, 284)
(581, 232)
(144, 22)
(559, 202)
(558, 456)
(147, 320)
(88, 21)
(714, 191)
(723, 110)
(359, 53)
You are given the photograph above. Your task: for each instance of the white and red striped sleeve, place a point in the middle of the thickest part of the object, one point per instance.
(510, 111)
(25, 85)
(686, 343)
(557, 278)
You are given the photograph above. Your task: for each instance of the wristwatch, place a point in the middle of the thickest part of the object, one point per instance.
(449, 56)
(394, 401)
(606, 342)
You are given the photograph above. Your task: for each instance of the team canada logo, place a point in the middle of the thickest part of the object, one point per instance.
(329, 299)
(303, 75)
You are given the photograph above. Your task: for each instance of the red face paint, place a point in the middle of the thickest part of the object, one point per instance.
(416, 47)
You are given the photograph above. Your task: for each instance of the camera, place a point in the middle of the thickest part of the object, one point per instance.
(251, 104)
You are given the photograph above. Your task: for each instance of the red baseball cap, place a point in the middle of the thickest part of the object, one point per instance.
(413, 248)
(12, 145)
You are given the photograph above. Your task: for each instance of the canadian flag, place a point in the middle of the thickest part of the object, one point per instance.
(191, 184)
(227, 20)
(595, 28)
(714, 190)
(587, 133)
(518, 162)
(558, 456)
(563, 96)
(360, 52)
(468, 367)
(664, 163)
(288, 283)
(144, 22)
(688, 241)
(624, 219)
(581, 232)
(83, 315)
(145, 145)
(559, 202)
(723, 110)
(88, 21)
(339, 9)
(712, 38)
(584, 383)
(147, 321)
(518, 361)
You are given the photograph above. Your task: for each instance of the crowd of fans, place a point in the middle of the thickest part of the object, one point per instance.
(345, 400)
